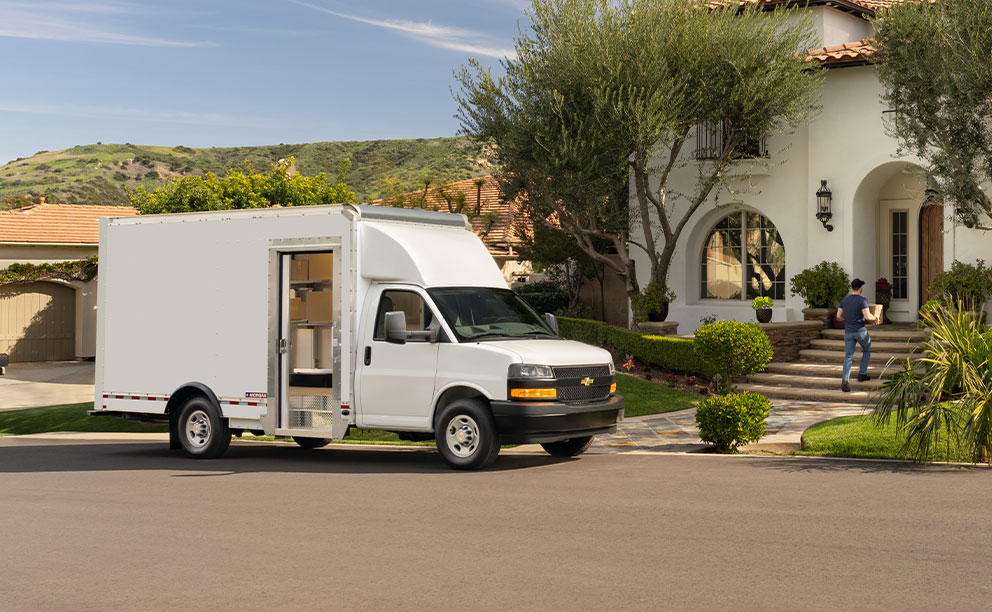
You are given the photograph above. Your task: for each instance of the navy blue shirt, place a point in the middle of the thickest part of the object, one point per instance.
(854, 319)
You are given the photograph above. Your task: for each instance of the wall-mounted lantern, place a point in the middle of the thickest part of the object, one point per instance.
(824, 200)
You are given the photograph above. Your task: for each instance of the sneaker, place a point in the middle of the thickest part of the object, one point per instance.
(846, 388)
(863, 377)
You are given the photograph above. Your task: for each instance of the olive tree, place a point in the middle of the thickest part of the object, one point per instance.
(601, 92)
(934, 64)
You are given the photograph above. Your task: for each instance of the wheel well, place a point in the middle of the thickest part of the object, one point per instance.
(178, 398)
(452, 395)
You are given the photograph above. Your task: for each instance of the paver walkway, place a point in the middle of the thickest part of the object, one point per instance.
(677, 431)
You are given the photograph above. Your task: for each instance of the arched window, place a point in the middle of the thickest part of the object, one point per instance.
(743, 257)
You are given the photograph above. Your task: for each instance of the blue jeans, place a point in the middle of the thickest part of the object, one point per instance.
(850, 339)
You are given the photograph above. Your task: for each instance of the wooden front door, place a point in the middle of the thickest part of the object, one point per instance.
(931, 247)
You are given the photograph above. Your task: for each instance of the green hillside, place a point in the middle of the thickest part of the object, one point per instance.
(98, 174)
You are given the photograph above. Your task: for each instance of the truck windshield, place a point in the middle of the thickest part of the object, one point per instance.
(484, 313)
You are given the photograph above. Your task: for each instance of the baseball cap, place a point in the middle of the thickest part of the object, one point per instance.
(857, 283)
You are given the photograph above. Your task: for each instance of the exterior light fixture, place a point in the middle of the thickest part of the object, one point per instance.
(824, 201)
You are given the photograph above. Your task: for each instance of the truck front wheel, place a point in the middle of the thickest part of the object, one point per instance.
(311, 443)
(466, 435)
(202, 432)
(568, 448)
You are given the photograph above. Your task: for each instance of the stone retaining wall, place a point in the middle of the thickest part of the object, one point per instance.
(791, 337)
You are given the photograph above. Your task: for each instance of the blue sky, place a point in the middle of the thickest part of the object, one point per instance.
(237, 72)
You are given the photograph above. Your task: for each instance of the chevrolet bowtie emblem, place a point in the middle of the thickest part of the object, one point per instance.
(586, 381)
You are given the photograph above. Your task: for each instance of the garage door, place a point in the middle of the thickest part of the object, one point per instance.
(37, 321)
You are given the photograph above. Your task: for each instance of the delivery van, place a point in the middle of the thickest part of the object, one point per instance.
(303, 322)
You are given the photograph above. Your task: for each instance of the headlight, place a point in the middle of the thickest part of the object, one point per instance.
(524, 370)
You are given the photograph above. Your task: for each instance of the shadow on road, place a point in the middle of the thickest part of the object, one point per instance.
(881, 466)
(42, 456)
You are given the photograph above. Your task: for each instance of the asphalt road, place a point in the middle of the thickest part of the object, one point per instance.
(131, 526)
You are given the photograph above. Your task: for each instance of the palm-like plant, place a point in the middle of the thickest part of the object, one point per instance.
(950, 401)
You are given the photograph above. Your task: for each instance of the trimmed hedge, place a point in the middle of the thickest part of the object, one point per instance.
(669, 353)
(729, 421)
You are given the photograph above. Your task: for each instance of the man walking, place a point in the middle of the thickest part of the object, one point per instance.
(855, 312)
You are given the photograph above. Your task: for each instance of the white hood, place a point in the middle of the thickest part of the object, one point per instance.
(553, 352)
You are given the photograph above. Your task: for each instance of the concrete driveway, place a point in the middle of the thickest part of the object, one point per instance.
(29, 385)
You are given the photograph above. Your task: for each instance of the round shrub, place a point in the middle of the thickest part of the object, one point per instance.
(732, 420)
(730, 348)
(821, 286)
(967, 284)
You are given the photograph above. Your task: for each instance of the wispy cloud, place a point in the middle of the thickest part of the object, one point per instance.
(73, 22)
(126, 114)
(445, 37)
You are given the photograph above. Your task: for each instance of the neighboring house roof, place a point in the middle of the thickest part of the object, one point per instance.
(864, 7)
(495, 221)
(848, 54)
(57, 223)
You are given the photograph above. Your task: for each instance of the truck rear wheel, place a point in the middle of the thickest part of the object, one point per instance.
(202, 432)
(466, 435)
(568, 448)
(311, 442)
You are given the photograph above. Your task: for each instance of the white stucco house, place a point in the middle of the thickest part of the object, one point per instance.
(884, 224)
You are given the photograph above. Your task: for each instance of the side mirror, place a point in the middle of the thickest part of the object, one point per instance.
(552, 322)
(396, 327)
(4, 362)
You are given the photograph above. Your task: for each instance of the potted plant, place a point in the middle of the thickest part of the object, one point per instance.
(651, 304)
(964, 286)
(821, 287)
(762, 308)
(883, 294)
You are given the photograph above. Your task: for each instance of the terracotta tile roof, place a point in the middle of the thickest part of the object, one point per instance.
(57, 223)
(852, 52)
(482, 193)
(864, 5)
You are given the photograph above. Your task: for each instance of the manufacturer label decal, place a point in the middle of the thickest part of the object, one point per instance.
(586, 381)
(256, 395)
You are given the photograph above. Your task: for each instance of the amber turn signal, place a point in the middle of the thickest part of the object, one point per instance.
(613, 388)
(547, 393)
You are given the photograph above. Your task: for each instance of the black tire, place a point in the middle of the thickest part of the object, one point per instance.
(309, 443)
(202, 432)
(466, 435)
(568, 448)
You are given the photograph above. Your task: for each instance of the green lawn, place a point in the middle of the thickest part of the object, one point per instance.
(642, 398)
(70, 417)
(857, 436)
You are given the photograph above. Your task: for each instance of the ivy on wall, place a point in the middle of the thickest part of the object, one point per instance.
(81, 270)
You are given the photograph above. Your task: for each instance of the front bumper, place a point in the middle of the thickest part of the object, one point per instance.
(539, 422)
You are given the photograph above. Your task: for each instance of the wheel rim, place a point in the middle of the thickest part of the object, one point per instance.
(462, 436)
(198, 429)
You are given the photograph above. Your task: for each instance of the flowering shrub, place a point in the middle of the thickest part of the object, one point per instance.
(882, 284)
(671, 380)
(628, 365)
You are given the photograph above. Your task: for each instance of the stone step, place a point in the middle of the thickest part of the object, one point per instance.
(814, 382)
(880, 346)
(831, 356)
(831, 370)
(810, 395)
(881, 333)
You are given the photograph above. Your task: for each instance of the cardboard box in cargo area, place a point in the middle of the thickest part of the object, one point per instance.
(320, 306)
(302, 348)
(297, 310)
(321, 266)
(299, 270)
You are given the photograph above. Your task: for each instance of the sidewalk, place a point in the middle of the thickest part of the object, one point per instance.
(677, 432)
(31, 385)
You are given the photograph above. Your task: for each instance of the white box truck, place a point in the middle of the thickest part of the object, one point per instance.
(303, 322)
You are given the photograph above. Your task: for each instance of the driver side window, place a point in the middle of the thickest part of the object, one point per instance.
(418, 315)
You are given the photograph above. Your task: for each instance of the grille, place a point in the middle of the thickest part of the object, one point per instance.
(578, 393)
(594, 371)
(309, 412)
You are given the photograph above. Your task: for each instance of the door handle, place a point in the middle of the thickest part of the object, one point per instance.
(368, 355)
(283, 346)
